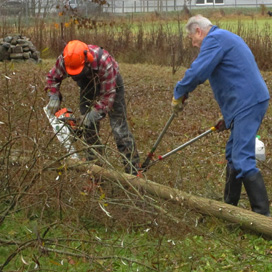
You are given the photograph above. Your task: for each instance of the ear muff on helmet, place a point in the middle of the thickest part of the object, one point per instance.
(75, 55)
(88, 56)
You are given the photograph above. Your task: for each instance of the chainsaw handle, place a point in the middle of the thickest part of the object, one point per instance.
(66, 119)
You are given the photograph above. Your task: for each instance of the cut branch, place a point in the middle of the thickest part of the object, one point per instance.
(247, 219)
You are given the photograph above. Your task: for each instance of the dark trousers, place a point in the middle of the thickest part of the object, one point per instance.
(118, 121)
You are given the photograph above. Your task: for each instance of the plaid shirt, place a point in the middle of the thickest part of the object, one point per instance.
(107, 72)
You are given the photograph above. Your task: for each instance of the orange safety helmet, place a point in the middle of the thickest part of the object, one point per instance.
(75, 55)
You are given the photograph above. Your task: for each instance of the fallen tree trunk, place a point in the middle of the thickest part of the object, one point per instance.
(247, 219)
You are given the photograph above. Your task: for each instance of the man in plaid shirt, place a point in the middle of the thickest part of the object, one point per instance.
(101, 92)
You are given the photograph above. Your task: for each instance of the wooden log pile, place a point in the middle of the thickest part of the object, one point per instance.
(18, 48)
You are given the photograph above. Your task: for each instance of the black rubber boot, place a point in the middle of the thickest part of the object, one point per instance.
(233, 187)
(257, 194)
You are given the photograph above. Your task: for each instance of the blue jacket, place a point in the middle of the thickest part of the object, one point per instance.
(228, 63)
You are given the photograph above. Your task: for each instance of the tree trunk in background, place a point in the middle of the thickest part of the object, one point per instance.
(33, 8)
(247, 219)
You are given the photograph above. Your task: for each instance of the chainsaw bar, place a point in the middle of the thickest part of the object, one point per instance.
(62, 130)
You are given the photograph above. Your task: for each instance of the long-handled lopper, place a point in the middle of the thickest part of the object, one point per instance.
(151, 153)
(181, 147)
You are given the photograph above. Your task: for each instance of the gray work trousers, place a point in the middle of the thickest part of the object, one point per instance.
(118, 121)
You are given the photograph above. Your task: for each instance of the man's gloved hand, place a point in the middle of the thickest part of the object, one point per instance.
(178, 104)
(220, 124)
(53, 105)
(91, 117)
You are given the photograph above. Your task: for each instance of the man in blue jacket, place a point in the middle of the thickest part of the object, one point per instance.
(243, 97)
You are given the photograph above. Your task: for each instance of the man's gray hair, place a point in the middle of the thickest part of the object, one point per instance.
(197, 21)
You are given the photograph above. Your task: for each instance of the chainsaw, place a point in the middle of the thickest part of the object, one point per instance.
(64, 127)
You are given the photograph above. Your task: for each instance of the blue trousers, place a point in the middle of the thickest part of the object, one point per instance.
(240, 148)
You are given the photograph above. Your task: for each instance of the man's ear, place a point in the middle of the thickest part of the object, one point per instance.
(198, 31)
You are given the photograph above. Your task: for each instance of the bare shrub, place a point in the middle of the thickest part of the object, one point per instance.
(134, 42)
(37, 183)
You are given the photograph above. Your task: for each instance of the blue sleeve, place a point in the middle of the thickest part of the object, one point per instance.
(210, 55)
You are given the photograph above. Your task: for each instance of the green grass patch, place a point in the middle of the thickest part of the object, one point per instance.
(70, 248)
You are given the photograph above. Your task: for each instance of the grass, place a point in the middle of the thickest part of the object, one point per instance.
(55, 226)
(222, 248)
